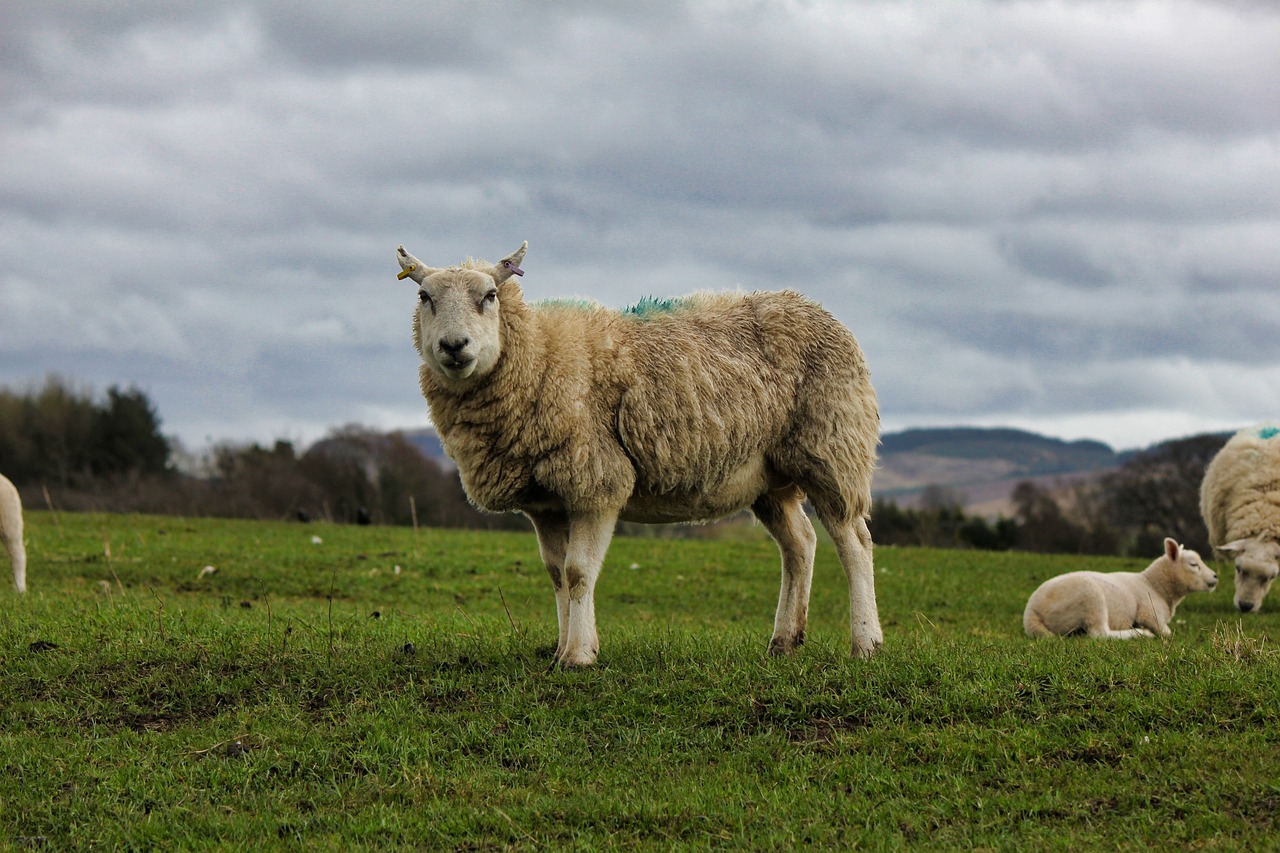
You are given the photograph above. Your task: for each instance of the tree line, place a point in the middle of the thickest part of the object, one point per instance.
(1126, 511)
(66, 447)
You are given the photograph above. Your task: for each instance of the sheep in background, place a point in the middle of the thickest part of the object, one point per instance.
(1120, 605)
(678, 410)
(1240, 502)
(11, 531)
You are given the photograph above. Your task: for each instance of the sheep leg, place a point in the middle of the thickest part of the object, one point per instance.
(553, 541)
(589, 537)
(784, 517)
(11, 532)
(1124, 634)
(1097, 623)
(853, 544)
(17, 556)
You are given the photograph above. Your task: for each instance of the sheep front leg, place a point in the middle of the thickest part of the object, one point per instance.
(553, 541)
(589, 537)
(1123, 634)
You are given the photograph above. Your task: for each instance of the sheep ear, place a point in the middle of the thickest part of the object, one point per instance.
(1231, 549)
(510, 265)
(1171, 548)
(411, 267)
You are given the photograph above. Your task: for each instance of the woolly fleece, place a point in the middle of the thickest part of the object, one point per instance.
(662, 410)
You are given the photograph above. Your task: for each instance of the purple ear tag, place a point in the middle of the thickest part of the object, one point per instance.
(515, 269)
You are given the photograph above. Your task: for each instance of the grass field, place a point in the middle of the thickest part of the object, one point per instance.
(309, 695)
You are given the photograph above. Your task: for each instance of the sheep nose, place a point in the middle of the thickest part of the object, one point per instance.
(454, 348)
(1244, 606)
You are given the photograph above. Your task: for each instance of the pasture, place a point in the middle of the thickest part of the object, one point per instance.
(309, 695)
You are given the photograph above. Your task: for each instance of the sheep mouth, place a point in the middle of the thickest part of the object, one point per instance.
(458, 368)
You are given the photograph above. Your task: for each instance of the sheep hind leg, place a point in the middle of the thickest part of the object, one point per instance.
(782, 514)
(589, 537)
(12, 541)
(18, 555)
(553, 541)
(853, 543)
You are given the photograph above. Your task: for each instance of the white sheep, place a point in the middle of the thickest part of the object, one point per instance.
(11, 531)
(1119, 605)
(678, 410)
(1240, 502)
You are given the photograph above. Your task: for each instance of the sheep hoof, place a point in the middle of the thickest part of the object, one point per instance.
(577, 660)
(779, 646)
(866, 650)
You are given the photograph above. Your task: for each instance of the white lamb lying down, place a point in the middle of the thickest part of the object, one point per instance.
(1122, 605)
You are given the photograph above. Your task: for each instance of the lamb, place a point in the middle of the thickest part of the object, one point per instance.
(11, 531)
(678, 410)
(1240, 502)
(1119, 605)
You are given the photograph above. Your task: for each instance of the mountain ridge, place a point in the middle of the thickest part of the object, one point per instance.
(979, 466)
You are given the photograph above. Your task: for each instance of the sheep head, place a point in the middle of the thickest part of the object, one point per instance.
(1189, 569)
(456, 327)
(1257, 563)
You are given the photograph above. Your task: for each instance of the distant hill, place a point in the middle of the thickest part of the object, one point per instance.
(979, 466)
(428, 442)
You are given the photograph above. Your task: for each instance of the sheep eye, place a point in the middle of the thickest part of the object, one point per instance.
(423, 297)
(489, 298)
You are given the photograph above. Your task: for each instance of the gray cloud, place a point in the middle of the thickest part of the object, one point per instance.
(1055, 215)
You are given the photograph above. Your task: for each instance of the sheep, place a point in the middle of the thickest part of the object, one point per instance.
(1119, 605)
(11, 531)
(680, 410)
(1240, 502)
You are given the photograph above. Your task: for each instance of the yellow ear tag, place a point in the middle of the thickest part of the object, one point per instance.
(404, 273)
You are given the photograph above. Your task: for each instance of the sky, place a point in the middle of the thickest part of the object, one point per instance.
(1059, 216)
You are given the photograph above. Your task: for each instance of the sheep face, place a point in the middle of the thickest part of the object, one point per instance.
(1194, 574)
(1257, 564)
(456, 329)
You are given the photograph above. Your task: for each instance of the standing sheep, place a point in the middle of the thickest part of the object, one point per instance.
(1119, 605)
(682, 410)
(1240, 502)
(11, 531)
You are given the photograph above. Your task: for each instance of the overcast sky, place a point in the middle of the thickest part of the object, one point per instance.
(1062, 216)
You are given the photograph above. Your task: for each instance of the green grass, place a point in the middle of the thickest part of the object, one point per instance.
(267, 705)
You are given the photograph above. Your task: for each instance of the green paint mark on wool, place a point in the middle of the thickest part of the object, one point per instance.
(1268, 432)
(650, 305)
(580, 302)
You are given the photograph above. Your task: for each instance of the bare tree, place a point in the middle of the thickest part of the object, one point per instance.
(1157, 493)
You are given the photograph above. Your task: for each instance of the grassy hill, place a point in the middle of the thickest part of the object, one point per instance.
(357, 687)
